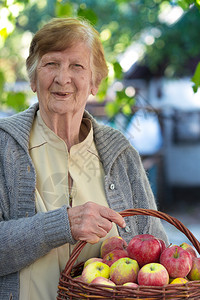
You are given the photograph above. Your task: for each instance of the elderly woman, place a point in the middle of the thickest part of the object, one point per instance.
(63, 177)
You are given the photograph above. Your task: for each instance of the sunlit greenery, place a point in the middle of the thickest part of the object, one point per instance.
(121, 23)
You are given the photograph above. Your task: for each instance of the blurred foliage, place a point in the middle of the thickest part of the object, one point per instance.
(196, 78)
(177, 48)
(122, 104)
(121, 23)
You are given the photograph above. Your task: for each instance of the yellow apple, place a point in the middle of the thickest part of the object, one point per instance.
(95, 269)
(91, 260)
(179, 280)
(124, 270)
(130, 284)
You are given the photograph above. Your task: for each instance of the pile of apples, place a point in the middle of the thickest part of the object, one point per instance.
(145, 260)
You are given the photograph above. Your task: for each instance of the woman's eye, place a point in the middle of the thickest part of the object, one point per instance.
(78, 66)
(51, 63)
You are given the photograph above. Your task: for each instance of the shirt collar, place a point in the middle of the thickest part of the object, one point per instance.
(42, 134)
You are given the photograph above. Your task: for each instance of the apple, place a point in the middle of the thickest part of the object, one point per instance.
(92, 259)
(194, 273)
(78, 277)
(177, 261)
(111, 243)
(95, 269)
(189, 248)
(131, 284)
(103, 281)
(179, 280)
(153, 274)
(163, 245)
(124, 270)
(145, 248)
(113, 256)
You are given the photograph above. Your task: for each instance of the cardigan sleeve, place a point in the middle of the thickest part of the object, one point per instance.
(24, 235)
(24, 240)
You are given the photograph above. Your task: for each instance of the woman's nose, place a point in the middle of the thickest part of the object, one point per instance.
(63, 76)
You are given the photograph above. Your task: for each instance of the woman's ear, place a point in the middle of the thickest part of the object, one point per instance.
(94, 90)
(33, 86)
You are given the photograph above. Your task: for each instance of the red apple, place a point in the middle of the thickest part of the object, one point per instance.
(194, 273)
(163, 245)
(124, 270)
(189, 248)
(145, 248)
(103, 281)
(177, 261)
(153, 274)
(113, 256)
(111, 243)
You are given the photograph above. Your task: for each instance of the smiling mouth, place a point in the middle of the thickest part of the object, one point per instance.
(62, 94)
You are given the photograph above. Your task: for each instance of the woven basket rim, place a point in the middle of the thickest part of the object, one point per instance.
(75, 288)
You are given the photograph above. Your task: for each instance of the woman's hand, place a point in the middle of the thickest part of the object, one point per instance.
(90, 222)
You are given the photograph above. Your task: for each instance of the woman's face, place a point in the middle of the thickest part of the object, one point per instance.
(64, 80)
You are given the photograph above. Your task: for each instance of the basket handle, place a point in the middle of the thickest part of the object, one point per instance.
(139, 211)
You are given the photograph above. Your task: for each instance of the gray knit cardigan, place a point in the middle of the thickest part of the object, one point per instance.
(26, 235)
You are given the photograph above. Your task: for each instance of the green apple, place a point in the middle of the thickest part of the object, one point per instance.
(189, 248)
(95, 269)
(153, 274)
(194, 273)
(124, 270)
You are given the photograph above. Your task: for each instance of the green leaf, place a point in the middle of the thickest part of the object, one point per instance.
(121, 95)
(184, 4)
(23, 1)
(2, 81)
(112, 109)
(126, 109)
(102, 89)
(16, 100)
(88, 14)
(195, 88)
(118, 70)
(64, 10)
(3, 33)
(196, 78)
(122, 103)
(197, 3)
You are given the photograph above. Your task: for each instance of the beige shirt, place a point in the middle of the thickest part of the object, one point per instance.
(52, 162)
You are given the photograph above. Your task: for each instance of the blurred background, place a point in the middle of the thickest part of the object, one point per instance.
(152, 92)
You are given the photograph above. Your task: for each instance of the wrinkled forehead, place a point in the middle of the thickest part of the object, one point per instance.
(78, 51)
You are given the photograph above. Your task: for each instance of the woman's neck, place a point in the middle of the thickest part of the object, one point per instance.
(67, 127)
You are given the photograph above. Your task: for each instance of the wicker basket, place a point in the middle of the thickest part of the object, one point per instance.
(70, 288)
